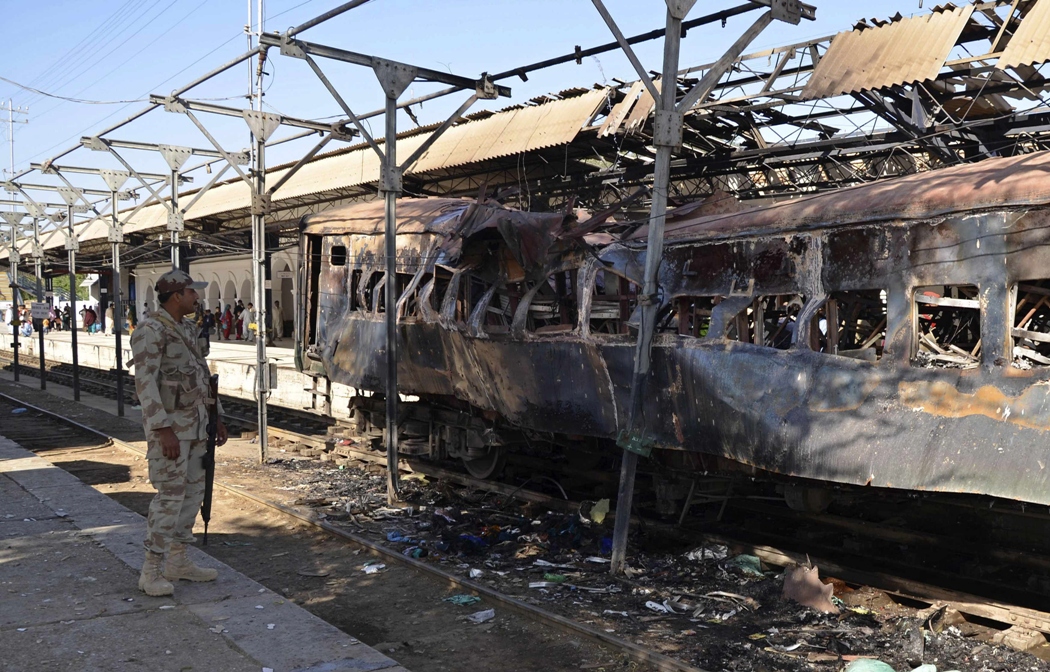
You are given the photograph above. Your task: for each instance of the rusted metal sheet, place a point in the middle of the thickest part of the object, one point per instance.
(909, 50)
(1030, 43)
(620, 111)
(1006, 182)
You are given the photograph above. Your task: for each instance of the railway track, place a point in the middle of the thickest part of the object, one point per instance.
(87, 438)
(786, 537)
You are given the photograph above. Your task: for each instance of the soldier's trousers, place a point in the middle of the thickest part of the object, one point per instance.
(180, 491)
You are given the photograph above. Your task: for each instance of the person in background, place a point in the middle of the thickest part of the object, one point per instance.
(227, 322)
(90, 318)
(238, 317)
(145, 311)
(110, 323)
(217, 319)
(253, 326)
(131, 318)
(67, 317)
(278, 321)
(27, 322)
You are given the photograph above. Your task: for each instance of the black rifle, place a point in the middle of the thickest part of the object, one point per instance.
(208, 459)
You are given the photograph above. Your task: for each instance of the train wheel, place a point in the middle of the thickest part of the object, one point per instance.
(488, 466)
(807, 500)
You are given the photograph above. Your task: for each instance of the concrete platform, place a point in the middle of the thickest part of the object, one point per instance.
(69, 562)
(234, 361)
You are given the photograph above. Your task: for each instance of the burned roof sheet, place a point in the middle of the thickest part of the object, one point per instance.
(994, 183)
(909, 50)
(1030, 44)
(529, 235)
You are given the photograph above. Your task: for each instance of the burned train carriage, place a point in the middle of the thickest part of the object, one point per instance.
(895, 334)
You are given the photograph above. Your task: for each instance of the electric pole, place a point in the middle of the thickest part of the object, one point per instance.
(11, 110)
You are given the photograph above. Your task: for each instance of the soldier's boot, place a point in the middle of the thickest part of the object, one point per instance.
(179, 566)
(151, 581)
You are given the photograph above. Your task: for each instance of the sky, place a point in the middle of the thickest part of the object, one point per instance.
(122, 50)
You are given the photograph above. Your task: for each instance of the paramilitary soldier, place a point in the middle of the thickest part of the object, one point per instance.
(171, 379)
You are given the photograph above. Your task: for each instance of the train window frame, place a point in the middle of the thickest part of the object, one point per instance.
(624, 299)
(854, 324)
(355, 289)
(752, 320)
(927, 351)
(564, 313)
(1022, 355)
(337, 255)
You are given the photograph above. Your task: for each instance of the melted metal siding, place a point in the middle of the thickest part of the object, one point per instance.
(909, 50)
(1030, 45)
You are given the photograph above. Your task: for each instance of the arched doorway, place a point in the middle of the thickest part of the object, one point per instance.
(213, 295)
(150, 300)
(229, 295)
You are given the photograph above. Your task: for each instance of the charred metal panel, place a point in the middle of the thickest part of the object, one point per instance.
(767, 266)
(797, 412)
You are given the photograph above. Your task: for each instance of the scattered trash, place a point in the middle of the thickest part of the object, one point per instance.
(597, 560)
(415, 552)
(657, 607)
(615, 613)
(313, 572)
(546, 563)
(868, 665)
(18, 411)
(476, 573)
(398, 538)
(749, 565)
(463, 600)
(271, 626)
(482, 616)
(715, 552)
(599, 511)
(373, 567)
(167, 606)
(218, 629)
(555, 578)
(802, 584)
(543, 584)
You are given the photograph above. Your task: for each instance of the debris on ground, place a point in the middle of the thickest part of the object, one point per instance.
(704, 603)
(802, 584)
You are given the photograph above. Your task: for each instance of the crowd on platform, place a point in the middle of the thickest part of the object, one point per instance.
(237, 322)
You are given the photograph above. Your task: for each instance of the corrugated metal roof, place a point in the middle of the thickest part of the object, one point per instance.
(1030, 44)
(504, 133)
(620, 111)
(909, 50)
(513, 132)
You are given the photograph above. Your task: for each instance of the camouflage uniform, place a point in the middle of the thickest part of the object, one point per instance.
(171, 380)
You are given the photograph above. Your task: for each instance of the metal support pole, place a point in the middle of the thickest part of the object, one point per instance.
(631, 440)
(391, 186)
(16, 293)
(175, 211)
(39, 271)
(73, 303)
(262, 374)
(118, 321)
(667, 135)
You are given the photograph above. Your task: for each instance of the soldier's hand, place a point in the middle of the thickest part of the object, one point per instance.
(169, 443)
(220, 434)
